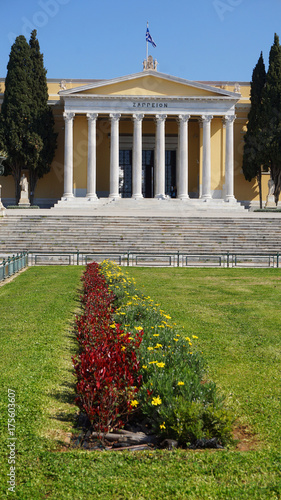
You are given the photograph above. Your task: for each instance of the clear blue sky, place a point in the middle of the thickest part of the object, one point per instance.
(197, 40)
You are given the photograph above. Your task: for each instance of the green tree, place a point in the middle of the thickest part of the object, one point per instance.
(253, 157)
(272, 116)
(17, 135)
(43, 120)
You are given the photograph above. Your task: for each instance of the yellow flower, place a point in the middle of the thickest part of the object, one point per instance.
(155, 334)
(152, 362)
(144, 367)
(176, 340)
(187, 338)
(150, 348)
(180, 383)
(162, 426)
(123, 348)
(112, 326)
(158, 346)
(134, 403)
(160, 365)
(156, 401)
(138, 328)
(194, 337)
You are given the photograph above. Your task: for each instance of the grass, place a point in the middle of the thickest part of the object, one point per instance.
(235, 314)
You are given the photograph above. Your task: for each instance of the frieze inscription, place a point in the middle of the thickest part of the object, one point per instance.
(150, 105)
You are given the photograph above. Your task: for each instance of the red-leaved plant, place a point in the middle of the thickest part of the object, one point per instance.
(107, 367)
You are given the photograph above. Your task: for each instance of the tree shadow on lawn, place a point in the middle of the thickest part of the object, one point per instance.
(64, 418)
(67, 394)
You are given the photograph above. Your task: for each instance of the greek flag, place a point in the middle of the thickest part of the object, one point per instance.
(149, 38)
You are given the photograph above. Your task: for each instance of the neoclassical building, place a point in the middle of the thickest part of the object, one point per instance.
(146, 135)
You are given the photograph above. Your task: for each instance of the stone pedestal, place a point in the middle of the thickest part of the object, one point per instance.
(270, 201)
(24, 200)
(2, 208)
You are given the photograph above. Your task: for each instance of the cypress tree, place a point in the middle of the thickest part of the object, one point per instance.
(272, 116)
(43, 120)
(17, 135)
(253, 157)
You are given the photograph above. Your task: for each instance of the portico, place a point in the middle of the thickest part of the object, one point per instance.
(159, 104)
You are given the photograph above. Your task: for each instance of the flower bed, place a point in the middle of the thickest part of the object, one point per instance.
(135, 358)
(107, 367)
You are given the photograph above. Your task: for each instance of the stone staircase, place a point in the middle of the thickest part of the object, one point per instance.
(95, 233)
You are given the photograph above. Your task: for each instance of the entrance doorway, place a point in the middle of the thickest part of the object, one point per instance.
(170, 173)
(147, 173)
(125, 173)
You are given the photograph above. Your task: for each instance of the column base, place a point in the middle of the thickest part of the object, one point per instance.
(137, 196)
(115, 196)
(91, 197)
(230, 199)
(206, 197)
(161, 197)
(67, 196)
(183, 197)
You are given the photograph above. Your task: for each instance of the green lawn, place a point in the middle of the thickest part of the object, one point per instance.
(235, 314)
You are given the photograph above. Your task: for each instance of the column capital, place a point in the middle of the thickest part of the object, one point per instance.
(183, 118)
(138, 117)
(68, 116)
(206, 118)
(160, 118)
(228, 119)
(92, 116)
(115, 116)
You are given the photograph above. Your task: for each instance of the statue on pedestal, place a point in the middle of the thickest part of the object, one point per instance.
(270, 199)
(2, 208)
(150, 63)
(24, 199)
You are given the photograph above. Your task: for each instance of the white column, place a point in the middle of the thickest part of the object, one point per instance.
(206, 174)
(114, 156)
(92, 155)
(68, 155)
(229, 158)
(137, 156)
(159, 177)
(182, 177)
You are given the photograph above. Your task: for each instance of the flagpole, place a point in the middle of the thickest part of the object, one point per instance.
(147, 44)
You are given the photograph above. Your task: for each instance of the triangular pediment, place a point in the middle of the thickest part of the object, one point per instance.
(149, 83)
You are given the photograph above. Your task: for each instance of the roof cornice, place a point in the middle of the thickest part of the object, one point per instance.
(153, 73)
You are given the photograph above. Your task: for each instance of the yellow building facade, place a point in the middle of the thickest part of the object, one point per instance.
(146, 135)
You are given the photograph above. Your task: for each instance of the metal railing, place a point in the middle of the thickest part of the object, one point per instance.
(12, 265)
(166, 259)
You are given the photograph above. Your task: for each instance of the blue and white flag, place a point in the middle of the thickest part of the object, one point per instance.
(149, 38)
